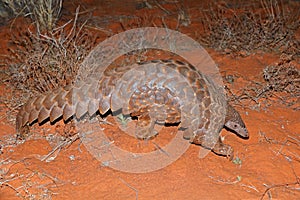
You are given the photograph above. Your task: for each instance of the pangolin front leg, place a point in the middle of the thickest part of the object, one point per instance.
(219, 148)
(234, 122)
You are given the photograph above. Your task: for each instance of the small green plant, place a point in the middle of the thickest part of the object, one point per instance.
(237, 161)
(123, 120)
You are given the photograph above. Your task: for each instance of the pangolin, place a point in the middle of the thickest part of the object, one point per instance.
(167, 91)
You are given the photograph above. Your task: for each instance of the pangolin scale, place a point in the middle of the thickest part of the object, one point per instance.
(158, 90)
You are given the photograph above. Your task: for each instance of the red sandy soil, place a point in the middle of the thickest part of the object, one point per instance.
(270, 158)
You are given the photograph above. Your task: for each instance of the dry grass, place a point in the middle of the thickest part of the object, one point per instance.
(280, 83)
(38, 62)
(41, 62)
(25, 182)
(170, 12)
(44, 13)
(267, 25)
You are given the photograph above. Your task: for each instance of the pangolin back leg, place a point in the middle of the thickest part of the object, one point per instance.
(145, 127)
(151, 105)
(156, 94)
